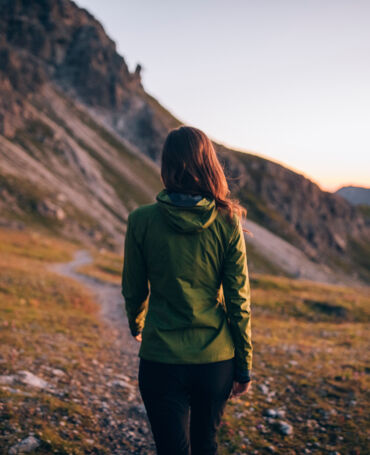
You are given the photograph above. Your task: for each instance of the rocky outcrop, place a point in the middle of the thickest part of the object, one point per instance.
(55, 40)
(317, 221)
(66, 43)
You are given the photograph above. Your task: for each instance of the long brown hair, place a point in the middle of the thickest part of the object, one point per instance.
(190, 165)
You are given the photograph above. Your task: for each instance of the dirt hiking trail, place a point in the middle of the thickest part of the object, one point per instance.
(131, 432)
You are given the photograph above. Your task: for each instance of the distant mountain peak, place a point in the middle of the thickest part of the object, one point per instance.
(355, 194)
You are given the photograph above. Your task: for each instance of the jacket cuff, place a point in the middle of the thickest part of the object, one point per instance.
(243, 376)
(135, 332)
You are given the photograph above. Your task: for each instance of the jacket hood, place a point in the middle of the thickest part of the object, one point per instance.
(187, 218)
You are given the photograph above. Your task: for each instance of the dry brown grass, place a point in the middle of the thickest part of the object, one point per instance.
(310, 357)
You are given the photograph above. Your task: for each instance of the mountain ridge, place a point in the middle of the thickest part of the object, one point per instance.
(80, 124)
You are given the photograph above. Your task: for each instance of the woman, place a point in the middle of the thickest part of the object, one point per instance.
(188, 249)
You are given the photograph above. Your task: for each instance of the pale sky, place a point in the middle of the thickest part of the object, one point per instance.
(288, 80)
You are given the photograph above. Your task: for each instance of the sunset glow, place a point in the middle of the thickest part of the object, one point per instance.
(287, 80)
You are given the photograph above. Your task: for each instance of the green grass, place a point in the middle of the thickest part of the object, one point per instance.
(26, 197)
(106, 266)
(304, 299)
(360, 252)
(364, 209)
(33, 244)
(356, 262)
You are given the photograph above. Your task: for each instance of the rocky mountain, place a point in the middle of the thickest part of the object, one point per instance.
(80, 145)
(321, 224)
(355, 194)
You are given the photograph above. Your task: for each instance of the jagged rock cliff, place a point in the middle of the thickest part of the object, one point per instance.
(59, 164)
(317, 221)
(81, 140)
(54, 40)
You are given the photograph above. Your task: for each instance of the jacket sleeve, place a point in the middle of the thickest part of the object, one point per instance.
(134, 284)
(237, 295)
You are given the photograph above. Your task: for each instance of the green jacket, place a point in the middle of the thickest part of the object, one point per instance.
(186, 285)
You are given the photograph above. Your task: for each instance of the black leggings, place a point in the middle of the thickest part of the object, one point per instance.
(171, 391)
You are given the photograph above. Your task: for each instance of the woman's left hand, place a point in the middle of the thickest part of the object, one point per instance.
(138, 337)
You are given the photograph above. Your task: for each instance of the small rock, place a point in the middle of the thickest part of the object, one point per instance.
(120, 383)
(139, 408)
(49, 209)
(270, 413)
(261, 428)
(312, 424)
(25, 446)
(57, 372)
(7, 379)
(30, 379)
(61, 197)
(280, 413)
(284, 427)
(123, 377)
(54, 371)
(125, 385)
(264, 389)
